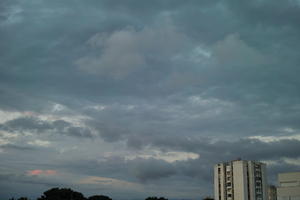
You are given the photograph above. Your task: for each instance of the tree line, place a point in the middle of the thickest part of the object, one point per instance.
(69, 194)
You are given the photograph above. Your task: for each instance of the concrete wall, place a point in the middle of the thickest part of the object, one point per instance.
(264, 181)
(251, 180)
(222, 182)
(240, 180)
(289, 186)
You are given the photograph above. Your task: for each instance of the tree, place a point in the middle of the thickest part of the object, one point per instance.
(208, 198)
(23, 198)
(99, 197)
(61, 194)
(155, 198)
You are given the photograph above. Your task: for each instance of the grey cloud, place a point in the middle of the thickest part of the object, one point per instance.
(126, 51)
(61, 124)
(210, 153)
(185, 76)
(114, 167)
(195, 115)
(22, 178)
(28, 123)
(127, 86)
(252, 149)
(136, 170)
(16, 147)
(141, 170)
(5, 6)
(147, 12)
(21, 184)
(279, 167)
(268, 12)
(149, 169)
(43, 126)
(12, 100)
(110, 131)
(257, 150)
(233, 52)
(78, 132)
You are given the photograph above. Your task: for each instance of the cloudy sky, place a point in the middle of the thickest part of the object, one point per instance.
(132, 98)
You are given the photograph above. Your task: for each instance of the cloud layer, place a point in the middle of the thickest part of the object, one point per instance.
(97, 95)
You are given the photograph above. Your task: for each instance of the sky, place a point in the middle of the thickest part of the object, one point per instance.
(137, 98)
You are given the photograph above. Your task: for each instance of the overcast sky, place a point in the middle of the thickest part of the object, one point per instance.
(137, 98)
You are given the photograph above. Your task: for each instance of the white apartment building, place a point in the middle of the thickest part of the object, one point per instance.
(240, 180)
(289, 186)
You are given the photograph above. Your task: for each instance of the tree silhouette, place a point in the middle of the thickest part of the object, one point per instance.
(155, 198)
(99, 197)
(61, 194)
(208, 198)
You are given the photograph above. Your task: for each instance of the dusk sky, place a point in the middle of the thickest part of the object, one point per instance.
(138, 98)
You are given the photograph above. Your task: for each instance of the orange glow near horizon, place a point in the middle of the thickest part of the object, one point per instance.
(41, 172)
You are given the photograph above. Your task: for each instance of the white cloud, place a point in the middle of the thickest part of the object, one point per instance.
(270, 162)
(97, 107)
(171, 156)
(41, 143)
(200, 55)
(7, 137)
(199, 100)
(58, 107)
(9, 115)
(292, 161)
(276, 138)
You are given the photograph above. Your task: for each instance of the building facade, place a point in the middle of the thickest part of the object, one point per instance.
(289, 186)
(240, 180)
(272, 192)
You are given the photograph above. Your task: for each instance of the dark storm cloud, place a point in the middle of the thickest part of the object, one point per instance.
(252, 149)
(198, 116)
(221, 151)
(138, 169)
(152, 169)
(28, 123)
(268, 12)
(110, 131)
(127, 86)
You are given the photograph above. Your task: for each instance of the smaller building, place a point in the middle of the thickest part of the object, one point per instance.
(289, 186)
(272, 192)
